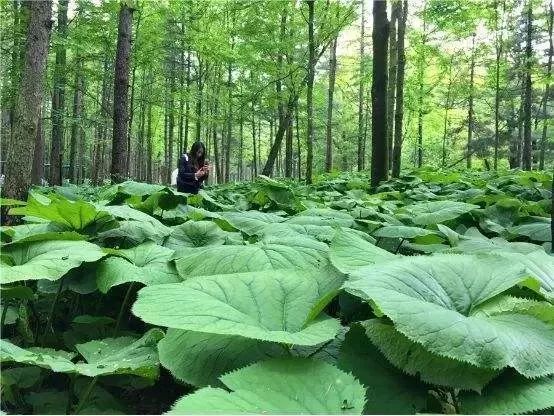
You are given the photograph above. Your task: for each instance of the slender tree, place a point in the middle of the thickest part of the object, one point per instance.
(421, 62)
(310, 93)
(379, 94)
(545, 118)
(391, 88)
(527, 145)
(499, 29)
(121, 89)
(27, 110)
(361, 150)
(399, 113)
(330, 93)
(470, 113)
(76, 127)
(58, 98)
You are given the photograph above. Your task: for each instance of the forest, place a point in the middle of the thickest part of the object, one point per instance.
(375, 235)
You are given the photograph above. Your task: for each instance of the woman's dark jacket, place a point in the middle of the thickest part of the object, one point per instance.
(185, 179)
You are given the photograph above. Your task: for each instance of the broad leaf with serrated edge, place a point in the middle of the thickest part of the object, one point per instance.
(414, 360)
(432, 301)
(200, 358)
(388, 391)
(279, 386)
(271, 306)
(270, 254)
(148, 264)
(510, 394)
(348, 252)
(45, 259)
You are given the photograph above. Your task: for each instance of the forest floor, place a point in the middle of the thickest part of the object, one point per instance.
(125, 298)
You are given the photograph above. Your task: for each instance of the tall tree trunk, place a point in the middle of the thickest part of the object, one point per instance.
(330, 92)
(361, 150)
(240, 166)
(199, 90)
(149, 148)
(446, 109)
(279, 135)
(171, 117)
(499, 32)
(229, 122)
(470, 113)
(254, 147)
(545, 118)
(27, 113)
(132, 103)
(187, 106)
(37, 171)
(76, 126)
(58, 99)
(527, 148)
(399, 113)
(298, 149)
(379, 94)
(118, 170)
(310, 92)
(391, 88)
(140, 151)
(420, 95)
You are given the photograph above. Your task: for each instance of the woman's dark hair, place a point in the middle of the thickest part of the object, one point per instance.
(196, 146)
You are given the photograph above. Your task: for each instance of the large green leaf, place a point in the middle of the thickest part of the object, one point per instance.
(76, 215)
(279, 386)
(45, 259)
(511, 394)
(537, 231)
(128, 213)
(435, 212)
(539, 265)
(251, 222)
(200, 358)
(195, 234)
(402, 231)
(124, 355)
(432, 301)
(39, 232)
(348, 252)
(132, 232)
(415, 360)
(57, 361)
(388, 391)
(148, 264)
(270, 254)
(271, 306)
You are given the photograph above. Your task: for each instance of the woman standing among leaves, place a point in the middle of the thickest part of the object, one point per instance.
(193, 169)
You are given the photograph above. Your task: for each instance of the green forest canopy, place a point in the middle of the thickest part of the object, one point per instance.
(222, 71)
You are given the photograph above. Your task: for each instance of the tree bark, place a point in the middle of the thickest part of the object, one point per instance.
(149, 149)
(310, 92)
(298, 149)
(58, 99)
(379, 94)
(470, 113)
(399, 113)
(527, 148)
(171, 117)
(421, 81)
(499, 32)
(76, 127)
(27, 112)
(446, 109)
(545, 118)
(330, 93)
(118, 170)
(361, 151)
(391, 88)
(37, 171)
(199, 90)
(229, 122)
